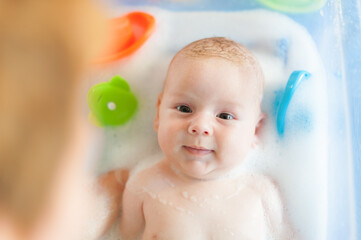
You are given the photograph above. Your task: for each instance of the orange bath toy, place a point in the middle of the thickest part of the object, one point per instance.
(127, 34)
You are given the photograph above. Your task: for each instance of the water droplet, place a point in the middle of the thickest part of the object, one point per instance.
(153, 195)
(169, 182)
(179, 209)
(185, 195)
(216, 197)
(162, 201)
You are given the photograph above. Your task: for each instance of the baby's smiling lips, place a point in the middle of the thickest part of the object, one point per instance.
(198, 151)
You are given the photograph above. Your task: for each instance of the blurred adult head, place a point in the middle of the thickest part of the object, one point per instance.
(44, 47)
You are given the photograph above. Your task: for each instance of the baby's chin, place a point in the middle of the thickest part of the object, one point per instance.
(200, 170)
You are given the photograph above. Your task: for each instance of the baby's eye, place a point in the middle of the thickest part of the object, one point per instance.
(184, 108)
(225, 116)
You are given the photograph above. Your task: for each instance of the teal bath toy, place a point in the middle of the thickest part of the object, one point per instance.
(293, 82)
(111, 103)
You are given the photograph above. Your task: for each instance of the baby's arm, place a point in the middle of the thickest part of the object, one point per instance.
(132, 218)
(276, 218)
(111, 185)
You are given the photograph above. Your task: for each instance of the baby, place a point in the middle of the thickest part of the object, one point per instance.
(208, 118)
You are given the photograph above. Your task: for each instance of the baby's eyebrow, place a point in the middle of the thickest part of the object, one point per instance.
(232, 105)
(183, 95)
(225, 105)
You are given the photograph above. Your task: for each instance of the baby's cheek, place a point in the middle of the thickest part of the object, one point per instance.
(166, 137)
(239, 143)
(162, 139)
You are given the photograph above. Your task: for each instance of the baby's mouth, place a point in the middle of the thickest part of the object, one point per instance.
(198, 150)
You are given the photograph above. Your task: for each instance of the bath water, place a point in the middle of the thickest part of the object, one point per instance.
(297, 162)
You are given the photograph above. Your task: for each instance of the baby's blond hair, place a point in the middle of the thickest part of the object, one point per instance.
(229, 50)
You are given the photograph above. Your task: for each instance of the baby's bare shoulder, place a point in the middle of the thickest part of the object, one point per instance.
(269, 192)
(263, 185)
(264, 182)
(146, 178)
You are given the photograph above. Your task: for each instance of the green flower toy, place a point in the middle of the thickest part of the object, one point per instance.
(111, 103)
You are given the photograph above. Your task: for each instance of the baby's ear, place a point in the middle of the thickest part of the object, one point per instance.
(156, 120)
(258, 129)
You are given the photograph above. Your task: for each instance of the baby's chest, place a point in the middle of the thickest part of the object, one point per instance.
(196, 218)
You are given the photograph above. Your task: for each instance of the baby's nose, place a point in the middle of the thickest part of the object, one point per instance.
(200, 126)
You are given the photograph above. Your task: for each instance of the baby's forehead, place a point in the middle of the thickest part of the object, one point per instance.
(249, 75)
(186, 63)
(224, 71)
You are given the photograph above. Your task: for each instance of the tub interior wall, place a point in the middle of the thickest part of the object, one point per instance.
(335, 30)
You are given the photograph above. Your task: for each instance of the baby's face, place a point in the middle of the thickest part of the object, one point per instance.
(207, 117)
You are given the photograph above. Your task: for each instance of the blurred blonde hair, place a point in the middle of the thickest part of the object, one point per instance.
(44, 45)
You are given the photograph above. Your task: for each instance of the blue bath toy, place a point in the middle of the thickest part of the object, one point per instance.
(293, 82)
(111, 103)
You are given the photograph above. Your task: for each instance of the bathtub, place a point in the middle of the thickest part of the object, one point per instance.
(335, 31)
